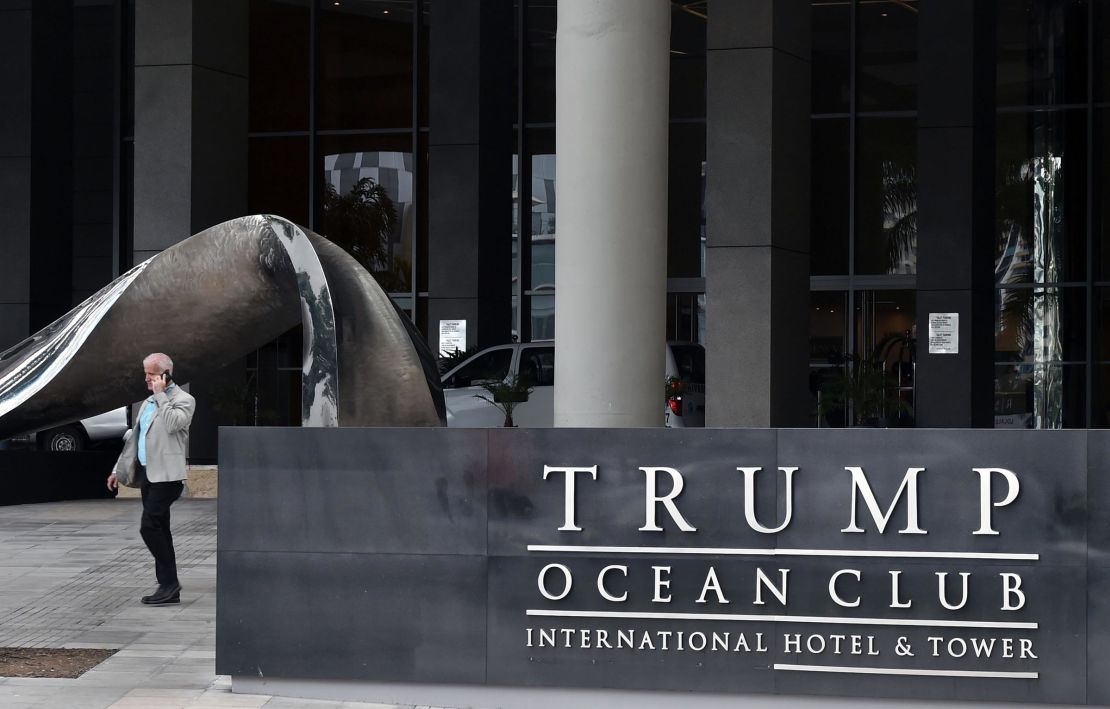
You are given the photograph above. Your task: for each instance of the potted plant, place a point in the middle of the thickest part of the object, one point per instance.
(864, 388)
(506, 395)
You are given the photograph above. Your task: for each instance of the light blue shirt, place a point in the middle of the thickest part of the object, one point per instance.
(144, 424)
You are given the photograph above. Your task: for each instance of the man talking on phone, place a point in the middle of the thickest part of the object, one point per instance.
(162, 439)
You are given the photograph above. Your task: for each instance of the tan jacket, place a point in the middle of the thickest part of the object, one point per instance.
(167, 439)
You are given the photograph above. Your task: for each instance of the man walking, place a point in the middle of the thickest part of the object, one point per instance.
(162, 439)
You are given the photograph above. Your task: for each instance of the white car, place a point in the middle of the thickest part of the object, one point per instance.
(536, 361)
(78, 435)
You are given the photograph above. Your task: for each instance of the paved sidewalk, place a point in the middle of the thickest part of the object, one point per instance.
(71, 574)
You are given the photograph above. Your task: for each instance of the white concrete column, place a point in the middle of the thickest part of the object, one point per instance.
(612, 80)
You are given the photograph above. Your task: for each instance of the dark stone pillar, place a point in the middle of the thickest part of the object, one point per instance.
(190, 141)
(955, 250)
(757, 211)
(190, 119)
(470, 170)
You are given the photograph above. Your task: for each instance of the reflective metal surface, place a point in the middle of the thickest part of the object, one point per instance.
(211, 299)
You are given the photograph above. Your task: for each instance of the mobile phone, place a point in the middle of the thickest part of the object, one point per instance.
(167, 378)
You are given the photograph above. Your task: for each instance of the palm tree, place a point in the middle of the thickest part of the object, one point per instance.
(361, 222)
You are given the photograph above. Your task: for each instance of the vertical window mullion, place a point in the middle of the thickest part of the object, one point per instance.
(852, 52)
(313, 51)
(417, 173)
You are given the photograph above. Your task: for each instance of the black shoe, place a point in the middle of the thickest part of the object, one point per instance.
(164, 595)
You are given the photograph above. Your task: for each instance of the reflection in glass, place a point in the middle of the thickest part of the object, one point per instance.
(886, 196)
(1042, 396)
(832, 39)
(1040, 327)
(543, 317)
(887, 57)
(367, 208)
(1042, 52)
(1041, 198)
(686, 317)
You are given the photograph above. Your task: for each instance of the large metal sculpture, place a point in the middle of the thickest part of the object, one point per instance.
(213, 298)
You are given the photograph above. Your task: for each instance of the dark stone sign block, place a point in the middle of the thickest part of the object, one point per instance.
(402, 618)
(1098, 559)
(448, 556)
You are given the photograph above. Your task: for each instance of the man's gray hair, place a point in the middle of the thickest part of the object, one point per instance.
(160, 360)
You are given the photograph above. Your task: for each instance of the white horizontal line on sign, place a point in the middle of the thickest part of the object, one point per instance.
(838, 620)
(726, 551)
(896, 671)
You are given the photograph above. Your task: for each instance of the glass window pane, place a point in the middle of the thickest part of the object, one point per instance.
(886, 196)
(828, 344)
(1040, 325)
(687, 87)
(1102, 52)
(543, 317)
(491, 367)
(1042, 52)
(1041, 184)
(540, 97)
(1042, 396)
(367, 203)
(279, 65)
(828, 328)
(277, 177)
(1102, 398)
(537, 366)
(689, 360)
(829, 198)
(887, 59)
(1101, 226)
(685, 201)
(685, 317)
(1102, 324)
(543, 222)
(832, 39)
(365, 64)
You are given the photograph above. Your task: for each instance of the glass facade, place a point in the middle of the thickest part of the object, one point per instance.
(333, 142)
(1050, 255)
(338, 140)
(1048, 240)
(863, 209)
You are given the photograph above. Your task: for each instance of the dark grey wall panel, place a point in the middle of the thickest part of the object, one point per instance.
(435, 594)
(1047, 518)
(1098, 559)
(525, 509)
(353, 616)
(410, 491)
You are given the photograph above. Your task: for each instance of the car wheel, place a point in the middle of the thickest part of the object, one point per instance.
(65, 439)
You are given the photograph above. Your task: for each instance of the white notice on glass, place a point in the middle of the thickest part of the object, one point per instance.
(944, 333)
(452, 336)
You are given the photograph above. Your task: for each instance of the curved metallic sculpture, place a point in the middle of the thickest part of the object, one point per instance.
(213, 298)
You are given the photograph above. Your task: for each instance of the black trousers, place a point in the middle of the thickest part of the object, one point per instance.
(155, 526)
